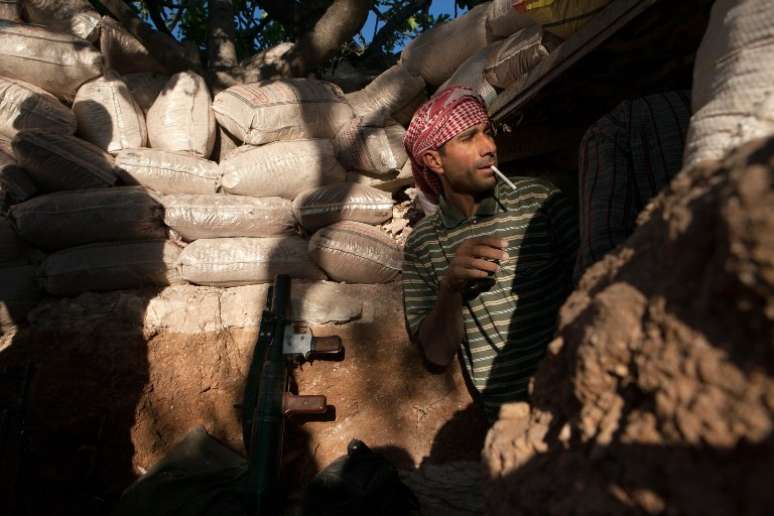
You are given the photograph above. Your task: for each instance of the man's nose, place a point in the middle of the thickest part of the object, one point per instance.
(486, 145)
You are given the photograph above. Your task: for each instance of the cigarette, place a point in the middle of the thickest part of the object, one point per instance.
(504, 179)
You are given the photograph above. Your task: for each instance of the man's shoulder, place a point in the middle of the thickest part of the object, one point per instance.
(527, 188)
(422, 232)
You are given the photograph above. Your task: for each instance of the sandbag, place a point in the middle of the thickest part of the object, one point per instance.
(19, 293)
(367, 145)
(503, 19)
(25, 106)
(437, 53)
(181, 118)
(228, 262)
(392, 91)
(10, 10)
(471, 74)
(733, 80)
(320, 207)
(69, 219)
(224, 144)
(58, 63)
(75, 17)
(63, 162)
(280, 169)
(219, 216)
(560, 17)
(392, 183)
(123, 52)
(108, 116)
(356, 253)
(285, 109)
(515, 57)
(111, 266)
(167, 172)
(15, 183)
(10, 246)
(145, 87)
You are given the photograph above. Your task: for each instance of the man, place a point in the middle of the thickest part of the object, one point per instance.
(487, 273)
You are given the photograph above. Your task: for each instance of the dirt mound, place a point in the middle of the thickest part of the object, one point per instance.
(658, 394)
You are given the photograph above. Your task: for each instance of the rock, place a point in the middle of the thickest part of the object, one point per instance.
(657, 396)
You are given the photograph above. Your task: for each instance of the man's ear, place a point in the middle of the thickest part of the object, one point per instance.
(432, 160)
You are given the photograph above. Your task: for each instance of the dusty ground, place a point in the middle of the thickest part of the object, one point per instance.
(120, 377)
(658, 395)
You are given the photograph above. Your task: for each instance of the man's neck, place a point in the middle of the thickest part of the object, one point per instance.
(467, 204)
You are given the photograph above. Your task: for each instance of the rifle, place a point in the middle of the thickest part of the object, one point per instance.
(267, 400)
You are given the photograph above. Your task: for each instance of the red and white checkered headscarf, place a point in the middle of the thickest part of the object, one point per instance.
(444, 116)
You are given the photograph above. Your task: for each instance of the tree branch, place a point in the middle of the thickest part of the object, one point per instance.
(341, 21)
(154, 9)
(222, 55)
(391, 25)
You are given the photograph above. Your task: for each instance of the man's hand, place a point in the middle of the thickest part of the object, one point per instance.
(472, 260)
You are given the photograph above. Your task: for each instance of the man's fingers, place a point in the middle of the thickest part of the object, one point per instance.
(499, 243)
(485, 251)
(478, 264)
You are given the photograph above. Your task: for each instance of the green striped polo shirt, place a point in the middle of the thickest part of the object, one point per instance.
(508, 326)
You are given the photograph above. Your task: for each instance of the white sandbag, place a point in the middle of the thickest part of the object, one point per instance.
(369, 146)
(503, 19)
(69, 219)
(19, 293)
(58, 63)
(108, 116)
(145, 87)
(560, 17)
(111, 266)
(167, 172)
(514, 59)
(391, 183)
(181, 118)
(63, 162)
(25, 106)
(285, 109)
(471, 74)
(10, 10)
(228, 262)
(75, 17)
(123, 52)
(320, 207)
(15, 183)
(356, 253)
(438, 52)
(219, 216)
(224, 144)
(733, 80)
(280, 169)
(392, 91)
(10, 246)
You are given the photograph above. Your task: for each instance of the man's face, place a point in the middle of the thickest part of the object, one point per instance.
(465, 161)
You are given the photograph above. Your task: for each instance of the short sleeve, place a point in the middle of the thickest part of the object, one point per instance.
(420, 285)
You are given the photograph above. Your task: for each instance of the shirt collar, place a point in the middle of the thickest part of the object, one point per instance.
(453, 217)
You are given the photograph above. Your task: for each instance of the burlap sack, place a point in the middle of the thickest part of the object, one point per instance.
(733, 80)
(286, 109)
(123, 52)
(502, 20)
(320, 207)
(367, 145)
(228, 262)
(25, 106)
(220, 216)
(280, 169)
(76, 17)
(145, 87)
(108, 116)
(111, 266)
(58, 63)
(391, 183)
(63, 162)
(438, 52)
(515, 57)
(181, 118)
(560, 17)
(167, 172)
(10, 10)
(354, 252)
(69, 219)
(15, 183)
(10, 246)
(19, 293)
(392, 91)
(224, 144)
(471, 74)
